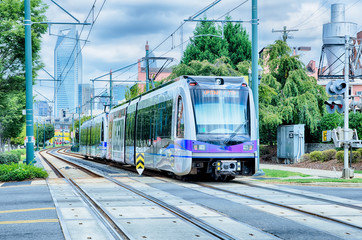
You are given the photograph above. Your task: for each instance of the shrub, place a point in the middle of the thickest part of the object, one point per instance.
(356, 156)
(329, 154)
(360, 155)
(316, 156)
(19, 152)
(305, 157)
(20, 172)
(7, 158)
(340, 156)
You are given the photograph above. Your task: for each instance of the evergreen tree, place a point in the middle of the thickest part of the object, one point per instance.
(206, 44)
(210, 43)
(287, 94)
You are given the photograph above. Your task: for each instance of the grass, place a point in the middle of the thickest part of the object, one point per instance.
(20, 172)
(316, 180)
(282, 174)
(358, 171)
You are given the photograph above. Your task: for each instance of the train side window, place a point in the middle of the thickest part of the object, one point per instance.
(102, 132)
(180, 127)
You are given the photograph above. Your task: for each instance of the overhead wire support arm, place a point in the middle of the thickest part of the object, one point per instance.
(221, 21)
(204, 10)
(114, 71)
(65, 11)
(62, 23)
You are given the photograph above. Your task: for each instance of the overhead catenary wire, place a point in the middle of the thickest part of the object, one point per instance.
(173, 46)
(75, 45)
(90, 30)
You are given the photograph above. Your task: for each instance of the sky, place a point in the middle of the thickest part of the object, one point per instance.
(121, 29)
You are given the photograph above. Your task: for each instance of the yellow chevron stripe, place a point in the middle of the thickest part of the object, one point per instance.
(140, 165)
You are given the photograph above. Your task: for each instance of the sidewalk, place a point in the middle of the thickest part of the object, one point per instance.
(313, 172)
(27, 211)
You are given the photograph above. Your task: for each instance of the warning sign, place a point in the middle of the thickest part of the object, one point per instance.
(140, 162)
(326, 136)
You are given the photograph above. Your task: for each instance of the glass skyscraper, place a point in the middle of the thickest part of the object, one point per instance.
(68, 71)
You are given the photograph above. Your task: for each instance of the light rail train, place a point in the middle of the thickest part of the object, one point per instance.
(192, 125)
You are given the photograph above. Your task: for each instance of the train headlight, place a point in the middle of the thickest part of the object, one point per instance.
(248, 147)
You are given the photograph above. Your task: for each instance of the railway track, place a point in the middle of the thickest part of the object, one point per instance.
(265, 200)
(105, 219)
(208, 230)
(289, 207)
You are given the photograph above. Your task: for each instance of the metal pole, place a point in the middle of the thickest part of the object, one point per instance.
(73, 130)
(346, 173)
(44, 137)
(91, 106)
(147, 68)
(110, 90)
(79, 127)
(63, 136)
(28, 85)
(254, 74)
(37, 136)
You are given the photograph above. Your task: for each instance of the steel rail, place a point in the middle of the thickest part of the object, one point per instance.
(106, 220)
(300, 195)
(280, 205)
(266, 188)
(175, 211)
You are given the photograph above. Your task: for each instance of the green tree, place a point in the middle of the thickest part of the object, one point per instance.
(239, 45)
(49, 132)
(287, 94)
(204, 68)
(206, 44)
(76, 126)
(211, 43)
(12, 61)
(133, 92)
(11, 118)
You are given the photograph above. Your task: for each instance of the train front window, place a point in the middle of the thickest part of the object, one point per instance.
(221, 112)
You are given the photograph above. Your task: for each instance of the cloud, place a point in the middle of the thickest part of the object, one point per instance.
(119, 35)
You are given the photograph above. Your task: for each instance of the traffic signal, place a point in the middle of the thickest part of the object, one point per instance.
(335, 103)
(330, 106)
(63, 113)
(337, 87)
(353, 104)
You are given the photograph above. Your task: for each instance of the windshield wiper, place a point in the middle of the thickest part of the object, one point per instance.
(234, 133)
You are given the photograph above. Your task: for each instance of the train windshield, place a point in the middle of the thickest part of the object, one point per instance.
(221, 112)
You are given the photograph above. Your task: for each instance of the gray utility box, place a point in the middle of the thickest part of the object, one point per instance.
(290, 142)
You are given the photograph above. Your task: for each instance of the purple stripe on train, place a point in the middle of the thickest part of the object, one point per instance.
(200, 147)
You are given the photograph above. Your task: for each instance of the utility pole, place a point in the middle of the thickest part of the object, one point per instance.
(73, 129)
(37, 136)
(110, 90)
(147, 67)
(79, 127)
(44, 136)
(347, 172)
(91, 105)
(28, 85)
(285, 32)
(254, 74)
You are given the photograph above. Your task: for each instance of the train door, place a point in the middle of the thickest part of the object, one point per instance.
(130, 134)
(118, 140)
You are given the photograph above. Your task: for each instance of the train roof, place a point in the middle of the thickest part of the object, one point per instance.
(200, 79)
(204, 80)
